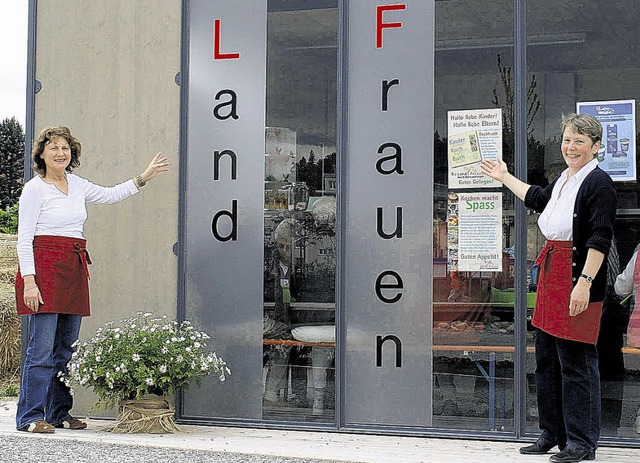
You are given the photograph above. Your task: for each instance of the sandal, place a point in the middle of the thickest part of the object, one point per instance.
(39, 427)
(72, 423)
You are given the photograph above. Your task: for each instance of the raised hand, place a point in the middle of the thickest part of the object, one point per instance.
(495, 170)
(158, 164)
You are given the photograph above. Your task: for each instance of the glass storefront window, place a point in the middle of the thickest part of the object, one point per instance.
(300, 213)
(473, 311)
(478, 330)
(580, 52)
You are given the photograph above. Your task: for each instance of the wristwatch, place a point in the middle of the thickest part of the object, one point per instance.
(587, 277)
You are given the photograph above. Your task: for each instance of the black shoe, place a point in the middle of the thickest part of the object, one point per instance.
(573, 455)
(540, 447)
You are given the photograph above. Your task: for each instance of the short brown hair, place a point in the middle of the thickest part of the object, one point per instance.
(584, 124)
(51, 133)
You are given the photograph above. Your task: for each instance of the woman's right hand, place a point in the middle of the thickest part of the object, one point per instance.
(158, 164)
(32, 297)
(495, 170)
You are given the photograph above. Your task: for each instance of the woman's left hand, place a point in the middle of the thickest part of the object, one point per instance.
(158, 164)
(579, 301)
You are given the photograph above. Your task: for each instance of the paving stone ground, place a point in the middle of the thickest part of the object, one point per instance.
(245, 445)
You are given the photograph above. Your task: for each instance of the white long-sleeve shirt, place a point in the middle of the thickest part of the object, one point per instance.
(624, 282)
(45, 210)
(556, 221)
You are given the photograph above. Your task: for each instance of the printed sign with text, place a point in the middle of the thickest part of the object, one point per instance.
(473, 135)
(474, 232)
(617, 153)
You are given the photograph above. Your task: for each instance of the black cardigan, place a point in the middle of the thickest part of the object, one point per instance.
(593, 216)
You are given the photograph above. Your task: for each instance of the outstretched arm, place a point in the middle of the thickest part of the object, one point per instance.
(498, 171)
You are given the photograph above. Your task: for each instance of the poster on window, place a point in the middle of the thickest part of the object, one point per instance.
(280, 155)
(617, 154)
(473, 135)
(474, 232)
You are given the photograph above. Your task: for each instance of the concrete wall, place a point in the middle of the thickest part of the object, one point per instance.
(107, 69)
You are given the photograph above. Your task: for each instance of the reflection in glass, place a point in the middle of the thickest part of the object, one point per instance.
(588, 61)
(300, 215)
(473, 312)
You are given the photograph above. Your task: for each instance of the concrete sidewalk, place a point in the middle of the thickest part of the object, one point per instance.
(238, 445)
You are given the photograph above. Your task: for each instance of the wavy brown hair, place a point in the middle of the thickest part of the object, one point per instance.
(47, 135)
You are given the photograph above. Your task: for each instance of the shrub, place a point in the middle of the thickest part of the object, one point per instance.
(9, 220)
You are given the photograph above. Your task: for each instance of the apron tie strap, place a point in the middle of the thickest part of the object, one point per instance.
(83, 254)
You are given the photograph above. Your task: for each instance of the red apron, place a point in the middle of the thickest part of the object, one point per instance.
(62, 275)
(554, 292)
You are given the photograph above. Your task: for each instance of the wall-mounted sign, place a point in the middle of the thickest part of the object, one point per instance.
(389, 217)
(223, 237)
(473, 135)
(617, 154)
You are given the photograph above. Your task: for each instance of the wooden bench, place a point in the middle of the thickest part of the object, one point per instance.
(468, 350)
(631, 350)
(490, 376)
(296, 343)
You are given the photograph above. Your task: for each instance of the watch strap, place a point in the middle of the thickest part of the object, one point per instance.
(587, 277)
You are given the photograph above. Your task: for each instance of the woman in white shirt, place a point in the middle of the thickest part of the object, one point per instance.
(577, 214)
(52, 283)
(624, 282)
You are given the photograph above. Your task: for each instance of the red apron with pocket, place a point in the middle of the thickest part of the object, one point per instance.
(551, 314)
(62, 275)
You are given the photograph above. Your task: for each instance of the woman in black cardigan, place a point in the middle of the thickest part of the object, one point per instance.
(577, 214)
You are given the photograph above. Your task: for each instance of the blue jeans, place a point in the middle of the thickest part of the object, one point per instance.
(568, 390)
(42, 395)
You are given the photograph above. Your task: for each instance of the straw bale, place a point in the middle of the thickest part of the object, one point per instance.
(9, 332)
(8, 258)
(9, 320)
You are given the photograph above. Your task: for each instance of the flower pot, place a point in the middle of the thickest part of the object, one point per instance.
(150, 414)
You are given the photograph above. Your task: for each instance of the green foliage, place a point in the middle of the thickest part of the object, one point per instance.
(317, 283)
(9, 220)
(9, 389)
(142, 356)
(311, 172)
(11, 162)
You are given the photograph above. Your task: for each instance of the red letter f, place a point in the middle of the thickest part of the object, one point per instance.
(380, 26)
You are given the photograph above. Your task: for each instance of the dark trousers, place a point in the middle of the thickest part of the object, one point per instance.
(613, 325)
(568, 390)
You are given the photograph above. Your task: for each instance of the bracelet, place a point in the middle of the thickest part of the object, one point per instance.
(29, 289)
(141, 182)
